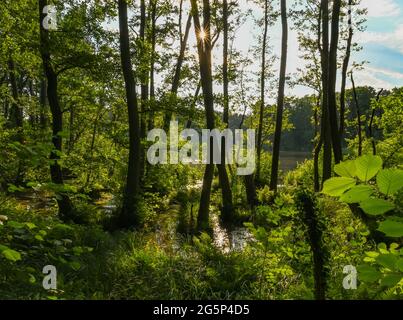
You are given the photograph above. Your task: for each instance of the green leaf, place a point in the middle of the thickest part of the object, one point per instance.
(389, 181)
(399, 264)
(357, 194)
(15, 225)
(337, 186)
(376, 207)
(346, 169)
(391, 280)
(367, 273)
(368, 166)
(391, 228)
(387, 261)
(2, 248)
(31, 278)
(75, 265)
(38, 237)
(30, 225)
(11, 255)
(372, 254)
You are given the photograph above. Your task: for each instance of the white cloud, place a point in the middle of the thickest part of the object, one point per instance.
(381, 8)
(388, 73)
(369, 77)
(392, 40)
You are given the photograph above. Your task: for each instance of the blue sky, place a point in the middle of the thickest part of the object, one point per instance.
(382, 43)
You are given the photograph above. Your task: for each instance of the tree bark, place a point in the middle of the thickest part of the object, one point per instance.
(144, 80)
(334, 127)
(325, 127)
(63, 200)
(371, 124)
(204, 50)
(344, 74)
(42, 101)
(280, 99)
(16, 112)
(178, 68)
(357, 108)
(153, 36)
(225, 63)
(128, 216)
(262, 93)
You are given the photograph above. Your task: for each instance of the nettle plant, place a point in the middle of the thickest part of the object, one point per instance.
(377, 192)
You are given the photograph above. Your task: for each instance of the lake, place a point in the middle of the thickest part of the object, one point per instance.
(290, 159)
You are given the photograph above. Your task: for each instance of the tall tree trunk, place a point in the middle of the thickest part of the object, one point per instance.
(225, 63)
(144, 79)
(223, 175)
(16, 112)
(42, 101)
(179, 63)
(357, 108)
(344, 71)
(63, 200)
(128, 217)
(153, 8)
(371, 125)
(318, 146)
(204, 49)
(325, 127)
(280, 99)
(262, 92)
(334, 127)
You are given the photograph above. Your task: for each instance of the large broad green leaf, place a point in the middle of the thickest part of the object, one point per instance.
(337, 186)
(387, 260)
(390, 280)
(11, 255)
(399, 264)
(346, 169)
(367, 273)
(357, 194)
(376, 207)
(389, 181)
(391, 228)
(367, 167)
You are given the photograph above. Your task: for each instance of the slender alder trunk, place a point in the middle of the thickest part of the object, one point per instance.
(193, 106)
(308, 207)
(42, 101)
(223, 175)
(225, 64)
(318, 114)
(262, 92)
(371, 125)
(334, 127)
(16, 112)
(326, 134)
(318, 146)
(153, 6)
(178, 68)
(280, 99)
(128, 216)
(144, 79)
(63, 200)
(357, 108)
(204, 49)
(346, 62)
